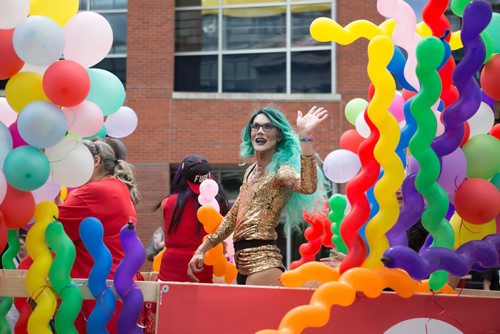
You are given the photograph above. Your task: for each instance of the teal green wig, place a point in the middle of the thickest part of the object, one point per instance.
(287, 153)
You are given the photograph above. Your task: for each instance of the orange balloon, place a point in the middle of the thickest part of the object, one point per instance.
(310, 271)
(398, 280)
(364, 280)
(230, 273)
(209, 218)
(157, 261)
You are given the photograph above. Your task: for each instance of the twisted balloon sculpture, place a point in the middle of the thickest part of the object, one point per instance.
(477, 15)
(21, 303)
(313, 235)
(337, 205)
(8, 263)
(380, 50)
(36, 279)
(475, 254)
(127, 289)
(68, 291)
(91, 233)
(430, 52)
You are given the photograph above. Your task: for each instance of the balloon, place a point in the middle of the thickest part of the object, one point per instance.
(490, 77)
(453, 170)
(24, 88)
(26, 168)
(341, 165)
(481, 153)
(3, 241)
(465, 231)
(493, 29)
(396, 107)
(42, 124)
(353, 108)
(66, 83)
(122, 123)
(337, 205)
(92, 233)
(12, 12)
(407, 94)
(488, 100)
(47, 192)
(68, 291)
(495, 131)
(7, 114)
(311, 271)
(495, 180)
(16, 138)
(17, 207)
(209, 188)
(71, 163)
(99, 134)
(127, 289)
(36, 279)
(107, 91)
(361, 126)
(89, 38)
(350, 140)
(482, 120)
(11, 63)
(313, 234)
(84, 119)
(5, 143)
(38, 40)
(157, 261)
(58, 10)
(477, 201)
(3, 186)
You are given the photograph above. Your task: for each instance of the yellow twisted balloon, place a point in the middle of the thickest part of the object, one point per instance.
(324, 29)
(380, 52)
(36, 280)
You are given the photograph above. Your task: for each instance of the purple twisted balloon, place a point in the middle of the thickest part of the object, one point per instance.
(475, 254)
(133, 300)
(476, 18)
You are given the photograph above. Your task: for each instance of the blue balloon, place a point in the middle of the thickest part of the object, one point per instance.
(42, 124)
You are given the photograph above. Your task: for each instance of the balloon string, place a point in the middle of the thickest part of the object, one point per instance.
(445, 310)
(71, 285)
(101, 300)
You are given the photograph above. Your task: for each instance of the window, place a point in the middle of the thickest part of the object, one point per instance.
(115, 11)
(253, 46)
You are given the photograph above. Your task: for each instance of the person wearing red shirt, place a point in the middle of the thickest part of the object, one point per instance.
(110, 196)
(183, 231)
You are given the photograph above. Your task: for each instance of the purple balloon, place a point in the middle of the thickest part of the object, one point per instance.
(451, 211)
(488, 100)
(412, 166)
(453, 172)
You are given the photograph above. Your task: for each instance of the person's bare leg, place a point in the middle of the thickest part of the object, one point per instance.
(268, 277)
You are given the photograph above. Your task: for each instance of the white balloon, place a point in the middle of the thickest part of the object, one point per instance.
(6, 143)
(89, 38)
(341, 165)
(361, 126)
(12, 12)
(31, 68)
(7, 114)
(71, 163)
(46, 192)
(122, 123)
(482, 121)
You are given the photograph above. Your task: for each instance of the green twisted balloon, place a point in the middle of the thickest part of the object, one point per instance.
(8, 263)
(430, 52)
(60, 279)
(337, 204)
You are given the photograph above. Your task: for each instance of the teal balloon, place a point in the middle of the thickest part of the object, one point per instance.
(106, 90)
(482, 156)
(496, 180)
(493, 29)
(353, 108)
(26, 168)
(59, 274)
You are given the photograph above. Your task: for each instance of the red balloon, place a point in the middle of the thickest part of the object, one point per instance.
(477, 201)
(3, 233)
(17, 207)
(350, 140)
(466, 134)
(490, 78)
(407, 94)
(66, 83)
(495, 131)
(11, 63)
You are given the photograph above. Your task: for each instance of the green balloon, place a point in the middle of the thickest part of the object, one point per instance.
(353, 108)
(8, 263)
(26, 168)
(337, 204)
(430, 52)
(106, 90)
(482, 156)
(59, 274)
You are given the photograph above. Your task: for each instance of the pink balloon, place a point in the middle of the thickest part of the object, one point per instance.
(85, 119)
(209, 188)
(397, 106)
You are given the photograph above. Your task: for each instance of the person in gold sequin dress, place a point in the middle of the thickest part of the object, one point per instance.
(284, 176)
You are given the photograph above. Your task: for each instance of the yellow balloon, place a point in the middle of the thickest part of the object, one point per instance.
(37, 284)
(58, 10)
(465, 231)
(455, 39)
(157, 261)
(24, 88)
(324, 29)
(64, 193)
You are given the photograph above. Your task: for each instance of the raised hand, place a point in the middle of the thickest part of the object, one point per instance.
(306, 123)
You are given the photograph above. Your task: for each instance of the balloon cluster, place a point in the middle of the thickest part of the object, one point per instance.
(53, 99)
(209, 216)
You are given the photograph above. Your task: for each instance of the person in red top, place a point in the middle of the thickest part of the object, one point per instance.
(110, 196)
(183, 231)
